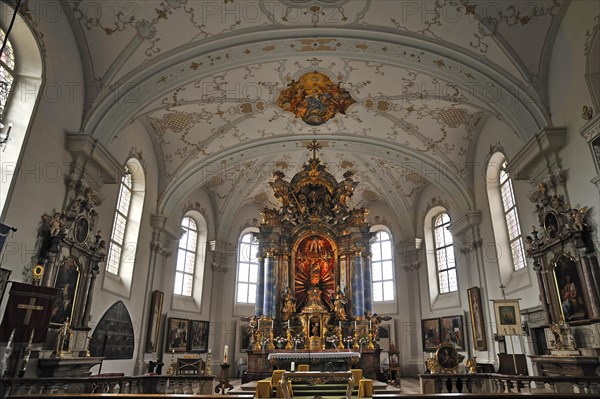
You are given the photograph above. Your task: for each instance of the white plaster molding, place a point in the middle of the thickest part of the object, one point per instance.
(591, 129)
(462, 226)
(91, 154)
(596, 182)
(161, 223)
(539, 157)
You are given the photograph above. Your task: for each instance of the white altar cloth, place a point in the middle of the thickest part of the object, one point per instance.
(312, 355)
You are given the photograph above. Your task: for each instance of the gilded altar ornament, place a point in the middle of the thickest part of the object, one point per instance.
(314, 98)
(472, 365)
(37, 272)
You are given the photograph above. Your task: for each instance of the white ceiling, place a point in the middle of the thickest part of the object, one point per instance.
(202, 78)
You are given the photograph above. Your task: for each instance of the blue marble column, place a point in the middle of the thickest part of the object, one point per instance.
(269, 303)
(260, 288)
(368, 285)
(358, 294)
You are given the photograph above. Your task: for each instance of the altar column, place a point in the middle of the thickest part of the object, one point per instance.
(358, 293)
(367, 284)
(269, 273)
(260, 288)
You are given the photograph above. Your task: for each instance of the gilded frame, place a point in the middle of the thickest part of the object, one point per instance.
(430, 329)
(176, 334)
(152, 335)
(477, 320)
(452, 331)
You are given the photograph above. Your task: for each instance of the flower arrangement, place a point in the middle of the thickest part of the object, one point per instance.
(264, 341)
(363, 340)
(348, 340)
(280, 341)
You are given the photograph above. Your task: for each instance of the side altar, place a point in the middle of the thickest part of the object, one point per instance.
(314, 292)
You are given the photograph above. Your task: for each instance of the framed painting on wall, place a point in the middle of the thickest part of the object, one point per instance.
(431, 334)
(67, 280)
(244, 337)
(570, 290)
(477, 323)
(198, 336)
(177, 334)
(154, 321)
(453, 332)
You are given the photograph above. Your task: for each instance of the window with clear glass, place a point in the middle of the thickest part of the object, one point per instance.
(117, 238)
(512, 219)
(382, 267)
(7, 68)
(186, 258)
(247, 269)
(444, 254)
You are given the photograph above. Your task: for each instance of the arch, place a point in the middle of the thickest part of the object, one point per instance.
(120, 261)
(592, 70)
(510, 252)
(192, 221)
(114, 337)
(438, 299)
(28, 81)
(247, 267)
(382, 265)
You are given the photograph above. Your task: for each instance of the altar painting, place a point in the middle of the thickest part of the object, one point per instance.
(67, 280)
(314, 267)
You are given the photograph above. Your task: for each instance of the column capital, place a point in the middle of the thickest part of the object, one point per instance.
(465, 224)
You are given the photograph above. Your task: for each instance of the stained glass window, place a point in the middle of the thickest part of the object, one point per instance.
(247, 269)
(7, 67)
(444, 254)
(117, 238)
(382, 267)
(186, 258)
(512, 219)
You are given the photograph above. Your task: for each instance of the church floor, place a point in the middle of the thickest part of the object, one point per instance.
(410, 386)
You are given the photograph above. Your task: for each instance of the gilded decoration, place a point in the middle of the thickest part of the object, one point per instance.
(314, 271)
(314, 98)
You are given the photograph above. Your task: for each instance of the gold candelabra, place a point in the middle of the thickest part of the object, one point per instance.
(370, 344)
(289, 339)
(340, 339)
(356, 344)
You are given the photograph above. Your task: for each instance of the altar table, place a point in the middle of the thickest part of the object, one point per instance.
(315, 377)
(343, 360)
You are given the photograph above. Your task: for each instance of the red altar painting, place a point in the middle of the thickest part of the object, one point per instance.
(314, 267)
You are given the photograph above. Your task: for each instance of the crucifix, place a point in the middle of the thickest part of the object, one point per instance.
(314, 146)
(31, 306)
(502, 287)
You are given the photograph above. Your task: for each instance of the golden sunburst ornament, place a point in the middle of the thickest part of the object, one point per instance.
(38, 272)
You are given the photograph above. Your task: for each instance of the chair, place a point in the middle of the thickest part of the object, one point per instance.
(356, 375)
(189, 366)
(241, 366)
(263, 388)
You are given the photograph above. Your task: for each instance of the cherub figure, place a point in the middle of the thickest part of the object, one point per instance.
(577, 218)
(56, 224)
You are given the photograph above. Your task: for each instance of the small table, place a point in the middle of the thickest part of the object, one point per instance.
(316, 377)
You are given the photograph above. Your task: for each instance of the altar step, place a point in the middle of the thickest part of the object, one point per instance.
(333, 390)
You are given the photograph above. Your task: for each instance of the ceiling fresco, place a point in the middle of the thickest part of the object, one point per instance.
(420, 79)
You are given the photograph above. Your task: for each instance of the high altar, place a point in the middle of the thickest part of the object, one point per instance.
(314, 288)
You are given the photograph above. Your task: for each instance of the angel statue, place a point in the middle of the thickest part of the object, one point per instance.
(339, 305)
(577, 215)
(289, 305)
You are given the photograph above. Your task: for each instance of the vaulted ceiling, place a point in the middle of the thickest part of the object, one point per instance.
(202, 77)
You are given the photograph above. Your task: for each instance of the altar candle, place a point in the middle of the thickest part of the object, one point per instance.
(355, 325)
(293, 366)
(209, 351)
(288, 324)
(369, 324)
(225, 354)
(340, 325)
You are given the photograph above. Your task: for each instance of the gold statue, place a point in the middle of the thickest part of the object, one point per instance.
(289, 305)
(339, 305)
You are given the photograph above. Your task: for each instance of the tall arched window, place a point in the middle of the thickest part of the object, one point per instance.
(21, 71)
(186, 258)
(382, 267)
(122, 248)
(247, 272)
(117, 237)
(444, 254)
(505, 218)
(7, 68)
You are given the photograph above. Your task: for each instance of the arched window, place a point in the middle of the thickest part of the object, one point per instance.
(247, 269)
(21, 71)
(444, 254)
(186, 258)
(117, 238)
(122, 247)
(505, 218)
(382, 267)
(7, 68)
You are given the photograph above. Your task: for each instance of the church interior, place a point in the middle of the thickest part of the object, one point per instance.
(247, 184)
